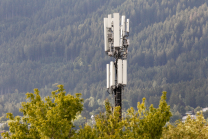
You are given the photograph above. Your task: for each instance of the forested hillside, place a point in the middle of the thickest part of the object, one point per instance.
(48, 42)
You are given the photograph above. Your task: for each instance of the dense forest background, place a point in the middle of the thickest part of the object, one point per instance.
(44, 43)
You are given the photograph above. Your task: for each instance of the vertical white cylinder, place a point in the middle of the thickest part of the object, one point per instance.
(112, 74)
(124, 72)
(127, 25)
(119, 71)
(121, 39)
(123, 24)
(108, 75)
(116, 30)
(109, 20)
(105, 34)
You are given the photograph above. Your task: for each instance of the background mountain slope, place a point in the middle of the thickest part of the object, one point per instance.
(48, 42)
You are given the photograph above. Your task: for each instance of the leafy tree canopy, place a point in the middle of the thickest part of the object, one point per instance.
(49, 118)
(191, 129)
(143, 123)
(53, 118)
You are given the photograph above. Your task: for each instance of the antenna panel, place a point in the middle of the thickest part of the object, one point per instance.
(125, 72)
(105, 34)
(112, 74)
(128, 42)
(116, 30)
(109, 21)
(123, 23)
(127, 25)
(108, 76)
(119, 71)
(121, 41)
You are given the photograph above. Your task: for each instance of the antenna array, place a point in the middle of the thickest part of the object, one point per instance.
(116, 44)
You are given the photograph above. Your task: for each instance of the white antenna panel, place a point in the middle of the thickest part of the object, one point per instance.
(125, 72)
(112, 74)
(116, 30)
(105, 34)
(109, 21)
(121, 42)
(127, 25)
(108, 75)
(119, 71)
(123, 23)
(121, 39)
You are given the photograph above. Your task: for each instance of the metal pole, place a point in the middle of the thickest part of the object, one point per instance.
(118, 99)
(118, 91)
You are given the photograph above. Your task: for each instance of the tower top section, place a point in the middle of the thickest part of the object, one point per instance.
(116, 32)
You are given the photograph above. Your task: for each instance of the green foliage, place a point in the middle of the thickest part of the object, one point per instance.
(136, 124)
(190, 129)
(48, 118)
(53, 118)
